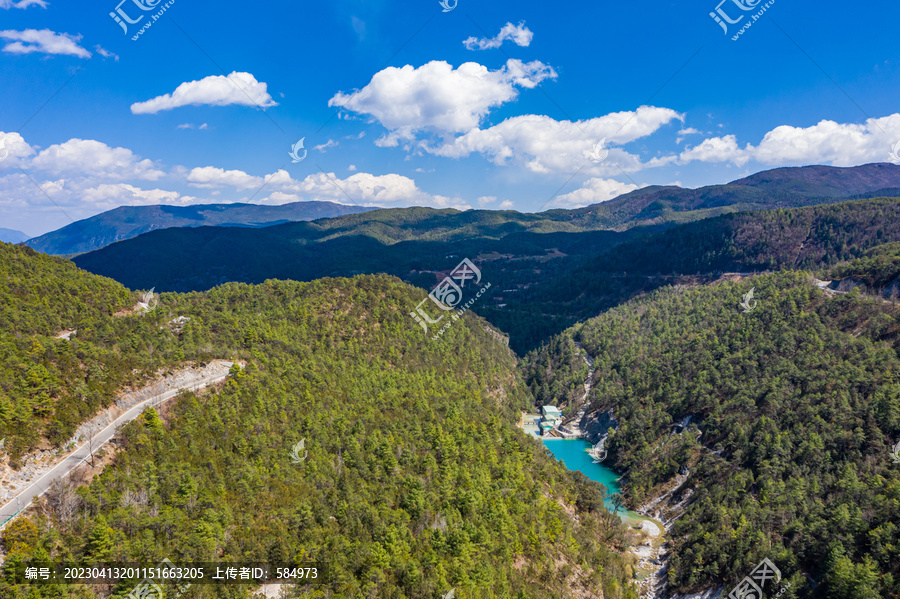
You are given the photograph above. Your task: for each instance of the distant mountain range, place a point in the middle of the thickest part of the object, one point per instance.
(548, 270)
(126, 222)
(790, 187)
(12, 236)
(653, 206)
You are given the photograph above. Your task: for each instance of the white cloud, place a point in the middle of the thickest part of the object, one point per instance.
(827, 142)
(593, 191)
(106, 53)
(216, 90)
(359, 188)
(485, 200)
(685, 132)
(717, 149)
(80, 157)
(107, 196)
(363, 188)
(325, 146)
(7, 4)
(279, 197)
(351, 168)
(16, 148)
(506, 205)
(438, 98)
(545, 145)
(210, 177)
(43, 41)
(55, 203)
(519, 34)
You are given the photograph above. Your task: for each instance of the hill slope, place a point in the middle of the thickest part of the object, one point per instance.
(126, 222)
(793, 407)
(416, 480)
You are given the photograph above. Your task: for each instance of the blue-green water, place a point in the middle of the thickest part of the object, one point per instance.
(573, 453)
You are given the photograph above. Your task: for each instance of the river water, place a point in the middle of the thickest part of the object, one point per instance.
(573, 453)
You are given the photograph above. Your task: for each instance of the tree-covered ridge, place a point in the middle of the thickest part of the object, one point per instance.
(556, 372)
(43, 295)
(796, 404)
(416, 480)
(811, 237)
(48, 386)
(878, 268)
(557, 278)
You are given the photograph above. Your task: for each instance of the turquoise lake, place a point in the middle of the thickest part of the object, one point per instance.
(573, 453)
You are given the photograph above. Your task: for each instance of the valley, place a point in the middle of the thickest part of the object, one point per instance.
(700, 437)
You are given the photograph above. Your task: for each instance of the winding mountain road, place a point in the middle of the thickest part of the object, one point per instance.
(83, 453)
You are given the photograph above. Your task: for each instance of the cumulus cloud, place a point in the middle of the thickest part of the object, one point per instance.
(210, 177)
(519, 34)
(7, 4)
(109, 196)
(359, 188)
(79, 157)
(827, 142)
(594, 191)
(15, 147)
(241, 89)
(436, 97)
(43, 41)
(717, 149)
(54, 203)
(365, 188)
(545, 145)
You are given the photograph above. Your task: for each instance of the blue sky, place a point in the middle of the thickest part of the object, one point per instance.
(489, 105)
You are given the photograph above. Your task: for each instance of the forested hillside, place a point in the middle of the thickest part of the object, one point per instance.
(878, 270)
(809, 237)
(555, 279)
(415, 482)
(795, 406)
(47, 385)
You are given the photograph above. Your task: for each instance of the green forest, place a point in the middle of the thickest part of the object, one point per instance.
(795, 406)
(416, 482)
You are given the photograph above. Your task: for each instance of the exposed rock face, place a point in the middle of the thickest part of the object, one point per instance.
(714, 594)
(596, 425)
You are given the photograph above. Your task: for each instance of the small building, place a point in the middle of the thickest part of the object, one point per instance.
(551, 413)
